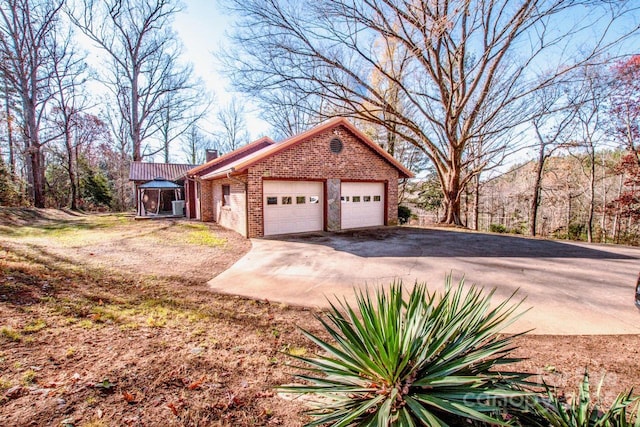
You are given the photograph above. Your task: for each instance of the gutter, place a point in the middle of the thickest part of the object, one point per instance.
(219, 174)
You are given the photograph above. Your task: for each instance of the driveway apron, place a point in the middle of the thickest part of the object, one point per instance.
(570, 288)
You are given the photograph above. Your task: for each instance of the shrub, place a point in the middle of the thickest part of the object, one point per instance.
(581, 412)
(404, 214)
(497, 228)
(577, 231)
(430, 359)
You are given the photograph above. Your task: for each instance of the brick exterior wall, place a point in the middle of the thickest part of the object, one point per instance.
(312, 160)
(233, 215)
(206, 201)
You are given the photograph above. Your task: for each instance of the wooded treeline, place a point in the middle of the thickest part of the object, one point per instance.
(453, 89)
(565, 199)
(86, 87)
(584, 180)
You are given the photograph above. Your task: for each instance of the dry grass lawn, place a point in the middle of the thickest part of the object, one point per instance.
(107, 321)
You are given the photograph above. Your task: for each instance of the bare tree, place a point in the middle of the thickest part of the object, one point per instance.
(288, 113)
(593, 92)
(468, 66)
(195, 145)
(553, 126)
(181, 110)
(11, 110)
(68, 74)
(144, 73)
(26, 30)
(231, 118)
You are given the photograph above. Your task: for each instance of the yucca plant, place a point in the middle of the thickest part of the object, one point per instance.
(430, 359)
(582, 412)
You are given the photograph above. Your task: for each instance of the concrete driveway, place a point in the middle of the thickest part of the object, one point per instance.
(572, 288)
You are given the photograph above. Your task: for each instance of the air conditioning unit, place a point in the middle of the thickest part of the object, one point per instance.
(178, 207)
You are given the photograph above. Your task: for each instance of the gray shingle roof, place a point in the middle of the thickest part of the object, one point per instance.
(141, 171)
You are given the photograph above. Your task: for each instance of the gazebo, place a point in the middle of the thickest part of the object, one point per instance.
(160, 197)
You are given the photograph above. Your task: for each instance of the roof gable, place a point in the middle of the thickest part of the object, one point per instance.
(244, 163)
(231, 156)
(142, 171)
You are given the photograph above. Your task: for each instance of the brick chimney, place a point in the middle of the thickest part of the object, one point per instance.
(211, 154)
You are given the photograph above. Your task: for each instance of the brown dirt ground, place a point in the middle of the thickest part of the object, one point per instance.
(107, 321)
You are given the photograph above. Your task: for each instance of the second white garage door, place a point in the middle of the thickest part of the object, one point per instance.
(292, 206)
(362, 204)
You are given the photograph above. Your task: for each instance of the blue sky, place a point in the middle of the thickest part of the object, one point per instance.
(203, 27)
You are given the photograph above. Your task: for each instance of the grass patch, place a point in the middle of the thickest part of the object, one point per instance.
(151, 312)
(198, 226)
(68, 232)
(204, 238)
(11, 334)
(29, 377)
(35, 326)
(296, 351)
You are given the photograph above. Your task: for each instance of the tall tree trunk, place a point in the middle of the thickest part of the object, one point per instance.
(10, 143)
(452, 198)
(616, 218)
(568, 210)
(135, 124)
(537, 189)
(34, 150)
(603, 223)
(592, 195)
(71, 167)
(476, 202)
(36, 160)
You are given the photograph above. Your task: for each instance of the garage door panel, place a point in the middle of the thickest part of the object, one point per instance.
(362, 204)
(292, 207)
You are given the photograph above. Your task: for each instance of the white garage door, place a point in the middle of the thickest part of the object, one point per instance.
(292, 206)
(362, 204)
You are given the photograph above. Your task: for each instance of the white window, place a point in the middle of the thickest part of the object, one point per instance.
(226, 195)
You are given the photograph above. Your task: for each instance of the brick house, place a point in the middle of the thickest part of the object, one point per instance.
(332, 177)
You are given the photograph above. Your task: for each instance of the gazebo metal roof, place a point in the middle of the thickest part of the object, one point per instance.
(160, 183)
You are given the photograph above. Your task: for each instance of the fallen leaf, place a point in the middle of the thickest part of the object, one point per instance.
(128, 397)
(265, 394)
(196, 384)
(173, 408)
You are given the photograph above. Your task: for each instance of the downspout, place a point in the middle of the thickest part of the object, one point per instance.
(195, 193)
(246, 199)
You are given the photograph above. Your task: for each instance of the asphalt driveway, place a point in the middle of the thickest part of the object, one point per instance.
(572, 288)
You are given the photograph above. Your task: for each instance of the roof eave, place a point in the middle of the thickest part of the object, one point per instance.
(220, 174)
(196, 170)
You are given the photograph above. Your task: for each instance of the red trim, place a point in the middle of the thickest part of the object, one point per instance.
(374, 181)
(324, 198)
(386, 203)
(333, 123)
(386, 193)
(231, 156)
(325, 208)
(271, 178)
